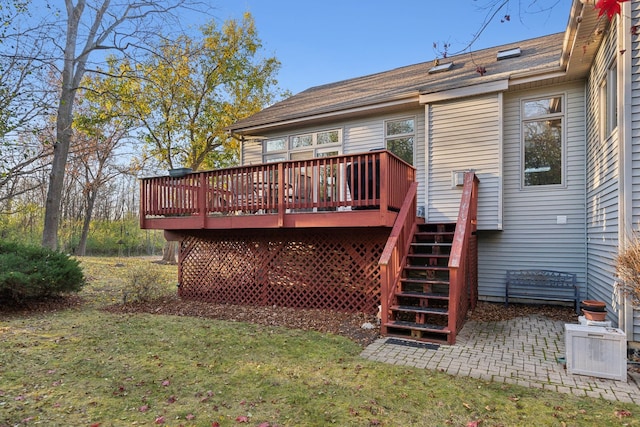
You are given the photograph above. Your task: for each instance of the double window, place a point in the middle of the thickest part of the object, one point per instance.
(543, 146)
(303, 146)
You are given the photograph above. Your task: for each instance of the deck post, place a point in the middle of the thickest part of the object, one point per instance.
(202, 199)
(383, 174)
(281, 190)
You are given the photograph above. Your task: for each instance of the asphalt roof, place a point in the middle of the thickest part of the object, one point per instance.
(405, 82)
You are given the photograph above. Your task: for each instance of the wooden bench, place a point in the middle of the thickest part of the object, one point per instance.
(542, 285)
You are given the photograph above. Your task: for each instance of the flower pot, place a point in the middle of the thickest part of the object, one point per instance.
(596, 316)
(594, 305)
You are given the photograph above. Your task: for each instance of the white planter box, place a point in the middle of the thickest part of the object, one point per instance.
(596, 351)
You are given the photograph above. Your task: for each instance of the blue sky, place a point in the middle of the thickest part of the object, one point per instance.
(326, 41)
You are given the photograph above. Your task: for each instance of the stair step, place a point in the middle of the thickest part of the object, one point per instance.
(435, 233)
(425, 268)
(429, 244)
(419, 255)
(423, 295)
(415, 281)
(425, 310)
(400, 324)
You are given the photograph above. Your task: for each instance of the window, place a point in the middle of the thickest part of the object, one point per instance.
(302, 146)
(609, 102)
(399, 137)
(542, 141)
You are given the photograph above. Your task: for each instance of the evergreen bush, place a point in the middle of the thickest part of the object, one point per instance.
(36, 272)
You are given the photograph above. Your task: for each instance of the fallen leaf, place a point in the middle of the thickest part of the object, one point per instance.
(190, 417)
(621, 413)
(172, 399)
(215, 424)
(466, 405)
(159, 420)
(474, 423)
(143, 408)
(242, 419)
(165, 383)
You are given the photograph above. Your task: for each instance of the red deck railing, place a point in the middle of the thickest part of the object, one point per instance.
(463, 261)
(374, 180)
(394, 255)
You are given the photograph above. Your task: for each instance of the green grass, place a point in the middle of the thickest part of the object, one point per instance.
(83, 367)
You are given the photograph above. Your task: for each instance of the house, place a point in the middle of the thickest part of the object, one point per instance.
(522, 156)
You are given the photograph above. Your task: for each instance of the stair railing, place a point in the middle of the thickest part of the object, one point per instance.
(463, 261)
(394, 255)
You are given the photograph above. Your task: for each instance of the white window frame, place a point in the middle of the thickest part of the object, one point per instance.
(563, 123)
(411, 135)
(609, 102)
(290, 150)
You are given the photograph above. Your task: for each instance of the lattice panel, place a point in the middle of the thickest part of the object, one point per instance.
(324, 269)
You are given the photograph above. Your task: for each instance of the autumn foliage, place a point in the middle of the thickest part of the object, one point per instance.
(609, 7)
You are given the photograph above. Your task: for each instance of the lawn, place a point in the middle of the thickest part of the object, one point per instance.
(84, 366)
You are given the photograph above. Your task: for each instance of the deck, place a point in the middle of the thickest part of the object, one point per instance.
(358, 190)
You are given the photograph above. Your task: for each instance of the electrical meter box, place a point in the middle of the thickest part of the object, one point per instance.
(596, 351)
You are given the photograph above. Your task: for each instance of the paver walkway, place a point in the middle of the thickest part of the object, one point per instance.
(521, 351)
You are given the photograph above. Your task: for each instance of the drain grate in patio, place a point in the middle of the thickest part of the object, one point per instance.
(425, 345)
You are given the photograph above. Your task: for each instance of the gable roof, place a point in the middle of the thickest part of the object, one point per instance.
(404, 85)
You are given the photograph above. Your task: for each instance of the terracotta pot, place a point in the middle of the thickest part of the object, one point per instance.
(593, 305)
(597, 316)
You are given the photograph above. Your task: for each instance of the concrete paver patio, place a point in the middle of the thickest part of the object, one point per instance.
(521, 351)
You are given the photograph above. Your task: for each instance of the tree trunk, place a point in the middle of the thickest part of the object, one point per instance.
(169, 252)
(72, 72)
(82, 245)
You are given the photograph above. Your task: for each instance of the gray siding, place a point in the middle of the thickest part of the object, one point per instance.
(635, 135)
(465, 134)
(531, 236)
(603, 186)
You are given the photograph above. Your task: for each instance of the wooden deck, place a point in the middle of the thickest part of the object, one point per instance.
(359, 190)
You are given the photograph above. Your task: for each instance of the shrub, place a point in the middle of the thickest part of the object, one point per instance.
(144, 285)
(628, 270)
(36, 272)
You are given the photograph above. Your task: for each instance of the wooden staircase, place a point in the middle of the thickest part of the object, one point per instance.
(429, 272)
(419, 308)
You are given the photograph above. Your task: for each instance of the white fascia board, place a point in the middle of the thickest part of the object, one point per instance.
(530, 77)
(463, 92)
(413, 99)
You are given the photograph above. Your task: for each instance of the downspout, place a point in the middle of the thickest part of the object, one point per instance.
(625, 228)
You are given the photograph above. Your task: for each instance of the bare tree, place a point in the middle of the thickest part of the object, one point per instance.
(25, 104)
(95, 165)
(92, 27)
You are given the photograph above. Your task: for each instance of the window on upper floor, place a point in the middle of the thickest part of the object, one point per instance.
(400, 136)
(542, 141)
(609, 102)
(303, 146)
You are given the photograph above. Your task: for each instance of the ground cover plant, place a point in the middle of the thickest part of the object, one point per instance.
(92, 363)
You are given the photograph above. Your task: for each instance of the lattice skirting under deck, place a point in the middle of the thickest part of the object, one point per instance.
(334, 269)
